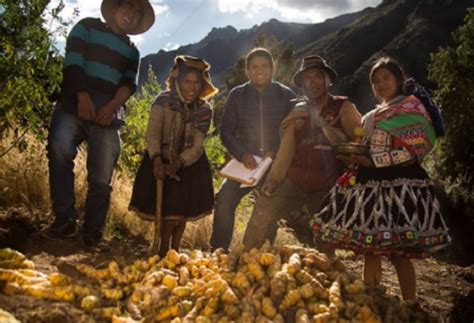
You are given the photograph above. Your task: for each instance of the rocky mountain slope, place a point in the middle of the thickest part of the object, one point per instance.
(409, 30)
(222, 47)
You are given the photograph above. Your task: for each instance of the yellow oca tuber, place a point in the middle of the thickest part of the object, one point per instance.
(90, 302)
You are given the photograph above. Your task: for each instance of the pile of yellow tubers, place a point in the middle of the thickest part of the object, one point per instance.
(267, 285)
(19, 276)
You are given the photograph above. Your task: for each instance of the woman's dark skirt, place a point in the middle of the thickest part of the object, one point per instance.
(190, 198)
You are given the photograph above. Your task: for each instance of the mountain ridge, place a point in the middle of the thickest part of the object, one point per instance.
(223, 46)
(408, 30)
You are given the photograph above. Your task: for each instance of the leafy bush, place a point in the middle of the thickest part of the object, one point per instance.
(453, 69)
(215, 151)
(133, 134)
(30, 66)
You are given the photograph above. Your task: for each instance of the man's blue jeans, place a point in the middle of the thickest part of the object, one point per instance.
(103, 143)
(227, 200)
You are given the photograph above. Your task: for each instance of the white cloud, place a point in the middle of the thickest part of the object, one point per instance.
(161, 35)
(230, 6)
(159, 7)
(295, 10)
(170, 46)
(137, 39)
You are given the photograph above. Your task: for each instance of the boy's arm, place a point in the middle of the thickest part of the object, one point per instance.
(106, 113)
(127, 87)
(73, 71)
(130, 75)
(74, 59)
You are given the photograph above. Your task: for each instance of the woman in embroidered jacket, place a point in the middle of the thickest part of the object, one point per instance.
(179, 120)
(391, 209)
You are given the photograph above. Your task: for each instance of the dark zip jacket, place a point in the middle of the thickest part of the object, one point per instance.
(251, 119)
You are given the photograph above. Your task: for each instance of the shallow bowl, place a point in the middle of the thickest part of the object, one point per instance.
(351, 149)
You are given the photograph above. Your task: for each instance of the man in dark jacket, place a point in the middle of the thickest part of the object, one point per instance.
(250, 122)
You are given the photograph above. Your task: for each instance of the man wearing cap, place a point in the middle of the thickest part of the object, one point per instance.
(305, 167)
(99, 74)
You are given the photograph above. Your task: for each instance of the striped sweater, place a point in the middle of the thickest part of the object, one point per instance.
(97, 61)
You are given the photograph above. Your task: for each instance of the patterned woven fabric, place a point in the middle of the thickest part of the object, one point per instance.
(200, 115)
(408, 125)
(401, 216)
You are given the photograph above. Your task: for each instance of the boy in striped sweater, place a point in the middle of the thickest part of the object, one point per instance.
(99, 72)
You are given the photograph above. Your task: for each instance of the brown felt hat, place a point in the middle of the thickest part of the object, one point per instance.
(314, 61)
(209, 89)
(108, 8)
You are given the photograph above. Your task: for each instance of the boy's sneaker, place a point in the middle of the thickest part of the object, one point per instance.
(60, 229)
(94, 243)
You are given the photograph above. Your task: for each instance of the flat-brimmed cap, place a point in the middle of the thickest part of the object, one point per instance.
(209, 89)
(314, 61)
(108, 8)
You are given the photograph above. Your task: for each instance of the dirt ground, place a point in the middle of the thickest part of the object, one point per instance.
(446, 291)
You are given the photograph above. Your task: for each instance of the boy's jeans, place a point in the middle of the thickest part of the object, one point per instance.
(103, 143)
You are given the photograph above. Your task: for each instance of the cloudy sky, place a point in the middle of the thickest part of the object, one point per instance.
(181, 22)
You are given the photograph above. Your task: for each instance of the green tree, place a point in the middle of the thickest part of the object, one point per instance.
(237, 76)
(137, 112)
(30, 65)
(215, 151)
(452, 69)
(286, 65)
(268, 42)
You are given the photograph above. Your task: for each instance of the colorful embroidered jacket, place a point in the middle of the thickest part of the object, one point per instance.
(400, 132)
(176, 132)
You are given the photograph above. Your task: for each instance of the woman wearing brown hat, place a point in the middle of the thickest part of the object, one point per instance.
(179, 120)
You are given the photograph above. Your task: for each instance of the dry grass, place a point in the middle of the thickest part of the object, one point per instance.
(24, 176)
(24, 182)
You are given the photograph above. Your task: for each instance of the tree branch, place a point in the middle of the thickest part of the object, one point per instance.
(6, 151)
